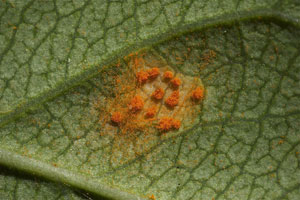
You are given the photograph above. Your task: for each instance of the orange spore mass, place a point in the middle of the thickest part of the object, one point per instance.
(176, 82)
(168, 75)
(158, 93)
(142, 77)
(153, 73)
(198, 94)
(165, 124)
(152, 197)
(136, 104)
(176, 124)
(168, 123)
(150, 112)
(116, 117)
(173, 99)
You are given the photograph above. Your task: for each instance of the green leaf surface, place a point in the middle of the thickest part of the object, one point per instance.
(14, 185)
(244, 143)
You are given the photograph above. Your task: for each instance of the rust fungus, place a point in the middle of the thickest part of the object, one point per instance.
(168, 123)
(158, 94)
(144, 99)
(176, 124)
(142, 77)
(153, 72)
(173, 99)
(136, 104)
(168, 75)
(150, 112)
(116, 117)
(198, 94)
(176, 82)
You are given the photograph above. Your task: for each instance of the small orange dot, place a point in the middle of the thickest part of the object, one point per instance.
(116, 117)
(136, 104)
(176, 82)
(151, 112)
(173, 99)
(153, 73)
(158, 93)
(198, 94)
(168, 75)
(142, 77)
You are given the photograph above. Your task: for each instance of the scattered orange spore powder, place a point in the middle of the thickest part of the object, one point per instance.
(173, 99)
(176, 82)
(142, 77)
(116, 117)
(198, 94)
(150, 112)
(168, 75)
(153, 73)
(168, 123)
(158, 94)
(136, 104)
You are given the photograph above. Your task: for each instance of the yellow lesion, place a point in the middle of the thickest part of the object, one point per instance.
(149, 100)
(153, 91)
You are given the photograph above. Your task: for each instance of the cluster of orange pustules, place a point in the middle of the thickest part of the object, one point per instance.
(143, 76)
(168, 123)
(136, 104)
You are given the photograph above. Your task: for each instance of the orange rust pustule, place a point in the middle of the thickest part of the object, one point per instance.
(168, 123)
(198, 94)
(136, 104)
(176, 124)
(168, 75)
(176, 82)
(173, 99)
(117, 117)
(158, 94)
(150, 112)
(153, 73)
(152, 197)
(142, 77)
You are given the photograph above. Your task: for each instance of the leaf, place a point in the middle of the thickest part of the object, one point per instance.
(48, 47)
(244, 143)
(17, 186)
